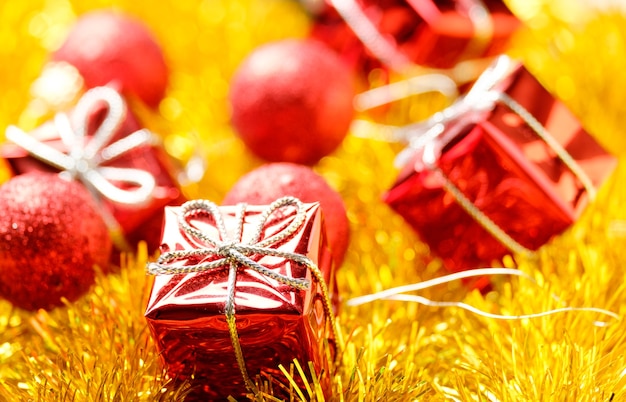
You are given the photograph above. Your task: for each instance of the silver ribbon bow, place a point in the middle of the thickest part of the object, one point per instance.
(86, 155)
(231, 253)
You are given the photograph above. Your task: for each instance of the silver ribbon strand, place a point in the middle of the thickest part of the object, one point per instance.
(232, 253)
(87, 154)
(397, 293)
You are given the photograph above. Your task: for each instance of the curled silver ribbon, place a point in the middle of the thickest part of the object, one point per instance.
(87, 154)
(466, 109)
(397, 293)
(231, 253)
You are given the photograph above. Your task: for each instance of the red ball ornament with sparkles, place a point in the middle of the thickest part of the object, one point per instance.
(269, 182)
(292, 101)
(112, 48)
(51, 236)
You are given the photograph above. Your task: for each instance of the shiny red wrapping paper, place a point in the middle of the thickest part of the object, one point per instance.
(275, 323)
(436, 34)
(138, 222)
(508, 173)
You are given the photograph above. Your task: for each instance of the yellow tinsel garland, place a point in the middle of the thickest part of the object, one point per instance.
(99, 348)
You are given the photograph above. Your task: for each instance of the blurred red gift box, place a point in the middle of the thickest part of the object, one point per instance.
(401, 33)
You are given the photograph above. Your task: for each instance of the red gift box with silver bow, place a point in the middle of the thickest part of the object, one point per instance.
(401, 33)
(101, 144)
(503, 169)
(238, 291)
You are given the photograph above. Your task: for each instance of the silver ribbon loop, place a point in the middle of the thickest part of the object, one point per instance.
(233, 253)
(86, 154)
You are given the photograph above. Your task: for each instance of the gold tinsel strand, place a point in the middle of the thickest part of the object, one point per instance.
(99, 348)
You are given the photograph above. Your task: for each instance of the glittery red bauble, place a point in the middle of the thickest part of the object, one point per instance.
(292, 101)
(269, 182)
(108, 47)
(51, 236)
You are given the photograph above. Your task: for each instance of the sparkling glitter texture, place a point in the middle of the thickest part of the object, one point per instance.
(52, 237)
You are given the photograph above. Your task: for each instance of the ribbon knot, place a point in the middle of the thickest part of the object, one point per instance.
(86, 155)
(227, 250)
(232, 253)
(81, 167)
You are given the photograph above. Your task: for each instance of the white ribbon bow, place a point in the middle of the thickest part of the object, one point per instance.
(86, 155)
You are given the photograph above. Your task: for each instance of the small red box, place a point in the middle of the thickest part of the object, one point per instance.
(275, 322)
(504, 170)
(437, 34)
(141, 221)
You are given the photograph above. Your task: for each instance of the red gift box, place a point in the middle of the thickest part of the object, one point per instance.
(398, 33)
(504, 169)
(250, 261)
(102, 144)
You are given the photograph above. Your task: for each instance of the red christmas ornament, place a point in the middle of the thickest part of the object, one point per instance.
(52, 236)
(111, 48)
(292, 101)
(275, 180)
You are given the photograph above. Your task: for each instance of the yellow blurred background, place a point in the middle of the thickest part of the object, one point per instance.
(98, 349)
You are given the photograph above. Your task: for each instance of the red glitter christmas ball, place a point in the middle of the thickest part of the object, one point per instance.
(292, 101)
(112, 48)
(51, 236)
(269, 182)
